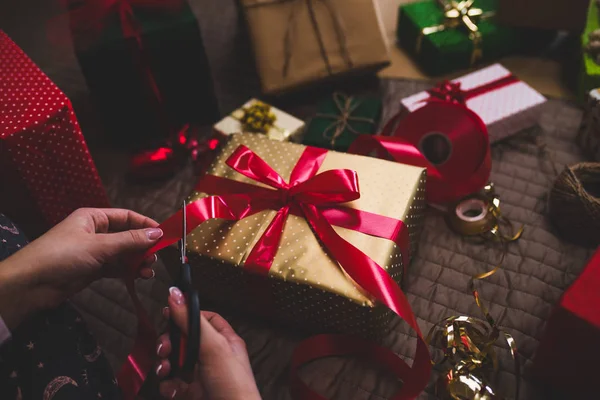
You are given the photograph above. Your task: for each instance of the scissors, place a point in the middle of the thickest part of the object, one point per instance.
(184, 353)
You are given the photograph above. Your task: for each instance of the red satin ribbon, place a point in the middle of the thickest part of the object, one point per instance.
(468, 166)
(452, 92)
(317, 198)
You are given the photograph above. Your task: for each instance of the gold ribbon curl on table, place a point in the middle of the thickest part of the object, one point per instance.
(341, 121)
(460, 14)
(468, 347)
(310, 5)
(479, 215)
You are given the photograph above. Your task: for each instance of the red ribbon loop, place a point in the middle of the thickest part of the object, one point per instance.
(452, 92)
(448, 91)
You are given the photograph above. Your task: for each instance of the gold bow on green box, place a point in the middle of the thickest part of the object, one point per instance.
(449, 35)
(457, 15)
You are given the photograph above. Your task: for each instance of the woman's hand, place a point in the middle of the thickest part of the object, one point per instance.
(223, 371)
(89, 244)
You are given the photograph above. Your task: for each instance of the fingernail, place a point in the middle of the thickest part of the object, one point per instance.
(174, 393)
(154, 233)
(153, 274)
(158, 368)
(176, 294)
(158, 349)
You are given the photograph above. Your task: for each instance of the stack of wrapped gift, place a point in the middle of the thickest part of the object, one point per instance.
(46, 170)
(146, 67)
(304, 285)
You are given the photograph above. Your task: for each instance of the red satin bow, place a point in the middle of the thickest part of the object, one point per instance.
(316, 197)
(448, 91)
(452, 92)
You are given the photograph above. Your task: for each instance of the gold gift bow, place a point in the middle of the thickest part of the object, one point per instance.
(458, 14)
(258, 118)
(342, 120)
(488, 228)
(468, 346)
(337, 26)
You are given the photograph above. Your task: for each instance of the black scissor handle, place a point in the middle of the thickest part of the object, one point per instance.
(185, 349)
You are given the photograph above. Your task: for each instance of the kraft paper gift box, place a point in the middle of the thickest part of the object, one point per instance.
(269, 120)
(305, 287)
(46, 170)
(299, 42)
(505, 110)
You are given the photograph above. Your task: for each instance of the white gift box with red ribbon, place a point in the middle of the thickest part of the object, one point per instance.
(506, 110)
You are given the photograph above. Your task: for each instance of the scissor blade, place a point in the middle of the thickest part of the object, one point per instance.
(184, 234)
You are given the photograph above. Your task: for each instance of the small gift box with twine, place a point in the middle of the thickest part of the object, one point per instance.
(448, 35)
(258, 117)
(340, 119)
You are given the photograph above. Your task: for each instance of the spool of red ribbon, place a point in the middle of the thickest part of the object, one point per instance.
(448, 139)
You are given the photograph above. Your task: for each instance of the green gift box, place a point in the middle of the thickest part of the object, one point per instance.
(445, 37)
(340, 119)
(590, 74)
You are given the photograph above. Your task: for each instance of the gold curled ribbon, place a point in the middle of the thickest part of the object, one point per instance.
(259, 118)
(456, 15)
(468, 347)
(487, 224)
(341, 122)
(337, 26)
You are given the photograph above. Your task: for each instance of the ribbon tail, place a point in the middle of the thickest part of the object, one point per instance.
(377, 282)
(261, 257)
(134, 372)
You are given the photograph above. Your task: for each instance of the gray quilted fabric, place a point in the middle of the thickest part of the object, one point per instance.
(534, 274)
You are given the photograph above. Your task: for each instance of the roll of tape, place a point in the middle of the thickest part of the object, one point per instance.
(472, 216)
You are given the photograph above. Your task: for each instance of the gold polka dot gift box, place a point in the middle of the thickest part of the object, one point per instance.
(303, 284)
(46, 170)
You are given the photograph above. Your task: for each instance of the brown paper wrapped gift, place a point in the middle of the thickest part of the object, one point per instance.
(305, 287)
(297, 42)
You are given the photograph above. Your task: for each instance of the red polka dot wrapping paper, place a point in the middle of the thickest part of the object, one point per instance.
(46, 170)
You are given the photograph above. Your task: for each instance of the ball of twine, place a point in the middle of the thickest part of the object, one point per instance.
(575, 203)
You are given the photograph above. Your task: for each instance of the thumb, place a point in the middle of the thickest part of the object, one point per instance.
(131, 241)
(212, 343)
